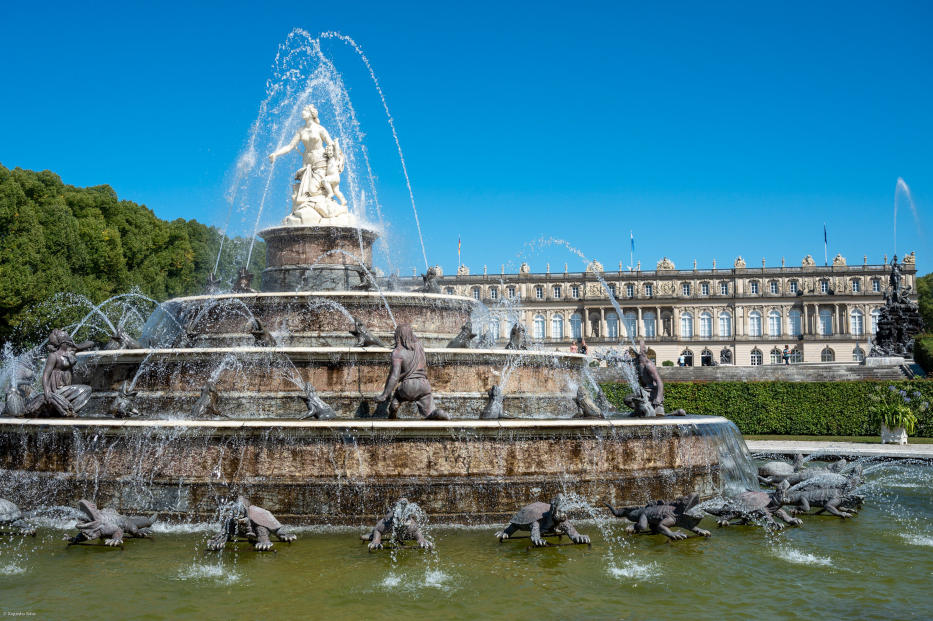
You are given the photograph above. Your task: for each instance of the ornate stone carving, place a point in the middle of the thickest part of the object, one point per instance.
(666, 287)
(910, 259)
(524, 268)
(463, 270)
(317, 182)
(808, 261)
(595, 267)
(739, 263)
(665, 265)
(839, 260)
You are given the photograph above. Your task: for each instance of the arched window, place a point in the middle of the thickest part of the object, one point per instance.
(686, 325)
(557, 326)
(796, 355)
(576, 326)
(858, 354)
(794, 323)
(875, 316)
(631, 325)
(706, 326)
(612, 325)
(706, 358)
(754, 324)
(595, 324)
(826, 322)
(827, 355)
(774, 323)
(539, 327)
(725, 324)
(756, 357)
(651, 326)
(775, 356)
(688, 357)
(475, 293)
(856, 322)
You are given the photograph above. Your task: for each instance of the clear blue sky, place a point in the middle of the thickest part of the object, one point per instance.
(710, 129)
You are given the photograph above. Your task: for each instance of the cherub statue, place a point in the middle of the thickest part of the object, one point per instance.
(335, 164)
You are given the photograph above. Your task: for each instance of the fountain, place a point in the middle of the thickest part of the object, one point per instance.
(281, 394)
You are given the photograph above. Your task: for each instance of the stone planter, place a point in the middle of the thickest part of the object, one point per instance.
(893, 436)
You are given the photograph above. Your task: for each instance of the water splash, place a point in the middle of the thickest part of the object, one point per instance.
(902, 189)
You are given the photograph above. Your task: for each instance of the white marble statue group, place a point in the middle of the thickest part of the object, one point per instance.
(317, 182)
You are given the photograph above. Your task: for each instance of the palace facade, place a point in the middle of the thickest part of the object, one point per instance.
(740, 315)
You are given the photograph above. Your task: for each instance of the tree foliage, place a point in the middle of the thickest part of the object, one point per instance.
(57, 238)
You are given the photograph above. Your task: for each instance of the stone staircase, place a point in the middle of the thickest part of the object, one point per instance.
(804, 372)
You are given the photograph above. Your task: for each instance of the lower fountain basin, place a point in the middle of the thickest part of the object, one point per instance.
(331, 472)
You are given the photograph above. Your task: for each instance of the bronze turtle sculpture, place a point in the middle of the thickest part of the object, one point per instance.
(401, 523)
(109, 525)
(255, 524)
(751, 506)
(779, 469)
(12, 522)
(660, 517)
(543, 519)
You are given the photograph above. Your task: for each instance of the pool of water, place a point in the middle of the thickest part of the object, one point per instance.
(877, 565)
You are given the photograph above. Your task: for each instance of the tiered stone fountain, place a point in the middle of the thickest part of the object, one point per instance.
(223, 382)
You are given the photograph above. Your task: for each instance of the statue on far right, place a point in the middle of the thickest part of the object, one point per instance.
(899, 320)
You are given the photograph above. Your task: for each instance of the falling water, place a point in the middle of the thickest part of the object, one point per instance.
(902, 189)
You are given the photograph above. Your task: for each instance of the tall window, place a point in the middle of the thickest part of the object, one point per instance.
(875, 316)
(773, 286)
(612, 325)
(725, 324)
(856, 285)
(827, 355)
(511, 293)
(706, 325)
(557, 326)
(775, 356)
(493, 293)
(876, 286)
(649, 290)
(574, 291)
(824, 286)
(856, 322)
(539, 292)
(753, 286)
(449, 290)
(651, 327)
(774, 323)
(688, 357)
(556, 291)
(793, 287)
(706, 358)
(723, 288)
(612, 289)
(685, 288)
(756, 357)
(794, 322)
(494, 330)
(475, 293)
(826, 322)
(704, 290)
(686, 325)
(630, 290)
(631, 325)
(858, 354)
(539, 327)
(576, 326)
(754, 324)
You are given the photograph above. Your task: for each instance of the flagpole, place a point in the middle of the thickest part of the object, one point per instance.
(825, 246)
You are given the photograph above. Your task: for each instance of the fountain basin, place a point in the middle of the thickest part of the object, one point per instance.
(338, 471)
(267, 382)
(311, 318)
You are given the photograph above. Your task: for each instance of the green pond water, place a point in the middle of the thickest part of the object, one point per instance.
(878, 565)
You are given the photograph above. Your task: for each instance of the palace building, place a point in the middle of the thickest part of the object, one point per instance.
(739, 315)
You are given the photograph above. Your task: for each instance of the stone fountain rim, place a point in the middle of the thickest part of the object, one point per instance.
(323, 351)
(326, 294)
(371, 425)
(283, 229)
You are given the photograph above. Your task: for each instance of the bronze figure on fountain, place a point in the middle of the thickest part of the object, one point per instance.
(408, 379)
(60, 397)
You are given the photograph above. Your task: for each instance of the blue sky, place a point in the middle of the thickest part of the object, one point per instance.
(710, 130)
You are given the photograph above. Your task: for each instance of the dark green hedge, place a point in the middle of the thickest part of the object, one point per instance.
(923, 351)
(786, 408)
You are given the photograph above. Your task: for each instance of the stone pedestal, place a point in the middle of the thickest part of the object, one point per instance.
(317, 258)
(884, 361)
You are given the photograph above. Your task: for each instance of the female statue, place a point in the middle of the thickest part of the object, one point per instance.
(60, 396)
(310, 177)
(408, 379)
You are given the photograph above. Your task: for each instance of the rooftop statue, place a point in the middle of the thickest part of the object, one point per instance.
(317, 182)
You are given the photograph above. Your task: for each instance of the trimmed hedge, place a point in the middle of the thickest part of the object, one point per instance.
(923, 351)
(786, 408)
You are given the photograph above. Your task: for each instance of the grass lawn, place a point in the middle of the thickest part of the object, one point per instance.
(861, 439)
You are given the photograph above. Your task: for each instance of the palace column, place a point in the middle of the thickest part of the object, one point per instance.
(640, 326)
(604, 333)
